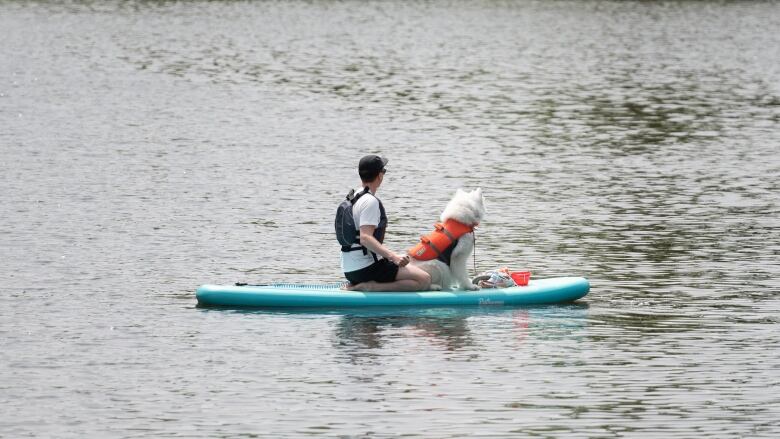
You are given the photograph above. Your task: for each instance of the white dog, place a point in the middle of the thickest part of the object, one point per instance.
(467, 208)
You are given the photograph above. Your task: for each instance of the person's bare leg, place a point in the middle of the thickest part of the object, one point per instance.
(409, 278)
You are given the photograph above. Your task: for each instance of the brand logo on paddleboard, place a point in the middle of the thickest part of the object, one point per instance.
(486, 302)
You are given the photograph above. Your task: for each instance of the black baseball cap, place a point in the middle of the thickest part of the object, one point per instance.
(370, 166)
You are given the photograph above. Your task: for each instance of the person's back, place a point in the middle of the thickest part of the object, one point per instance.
(367, 210)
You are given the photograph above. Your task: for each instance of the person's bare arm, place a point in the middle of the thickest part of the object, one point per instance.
(368, 241)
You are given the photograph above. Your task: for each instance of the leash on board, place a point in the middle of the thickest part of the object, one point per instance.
(475, 252)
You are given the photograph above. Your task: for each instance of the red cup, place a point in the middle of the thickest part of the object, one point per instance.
(521, 278)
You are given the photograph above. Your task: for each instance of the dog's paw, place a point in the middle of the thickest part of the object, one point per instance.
(472, 287)
(435, 287)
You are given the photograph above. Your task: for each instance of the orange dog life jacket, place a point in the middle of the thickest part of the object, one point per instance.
(433, 245)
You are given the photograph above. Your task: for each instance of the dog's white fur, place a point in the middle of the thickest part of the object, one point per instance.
(468, 208)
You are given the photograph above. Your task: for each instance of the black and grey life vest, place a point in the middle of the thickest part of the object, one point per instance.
(346, 232)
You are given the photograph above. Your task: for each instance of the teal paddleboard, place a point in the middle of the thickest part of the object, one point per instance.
(537, 292)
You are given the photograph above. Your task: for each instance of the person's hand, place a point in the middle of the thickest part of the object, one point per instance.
(400, 261)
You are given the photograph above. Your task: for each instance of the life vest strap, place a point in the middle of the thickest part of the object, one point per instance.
(440, 227)
(429, 243)
(347, 249)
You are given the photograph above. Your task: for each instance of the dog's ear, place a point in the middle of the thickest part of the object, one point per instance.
(476, 196)
(479, 200)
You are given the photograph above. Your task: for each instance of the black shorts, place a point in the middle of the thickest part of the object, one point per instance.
(382, 271)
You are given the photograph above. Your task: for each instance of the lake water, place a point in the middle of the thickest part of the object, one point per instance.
(152, 146)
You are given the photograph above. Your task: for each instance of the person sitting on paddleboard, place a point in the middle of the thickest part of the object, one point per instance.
(367, 263)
